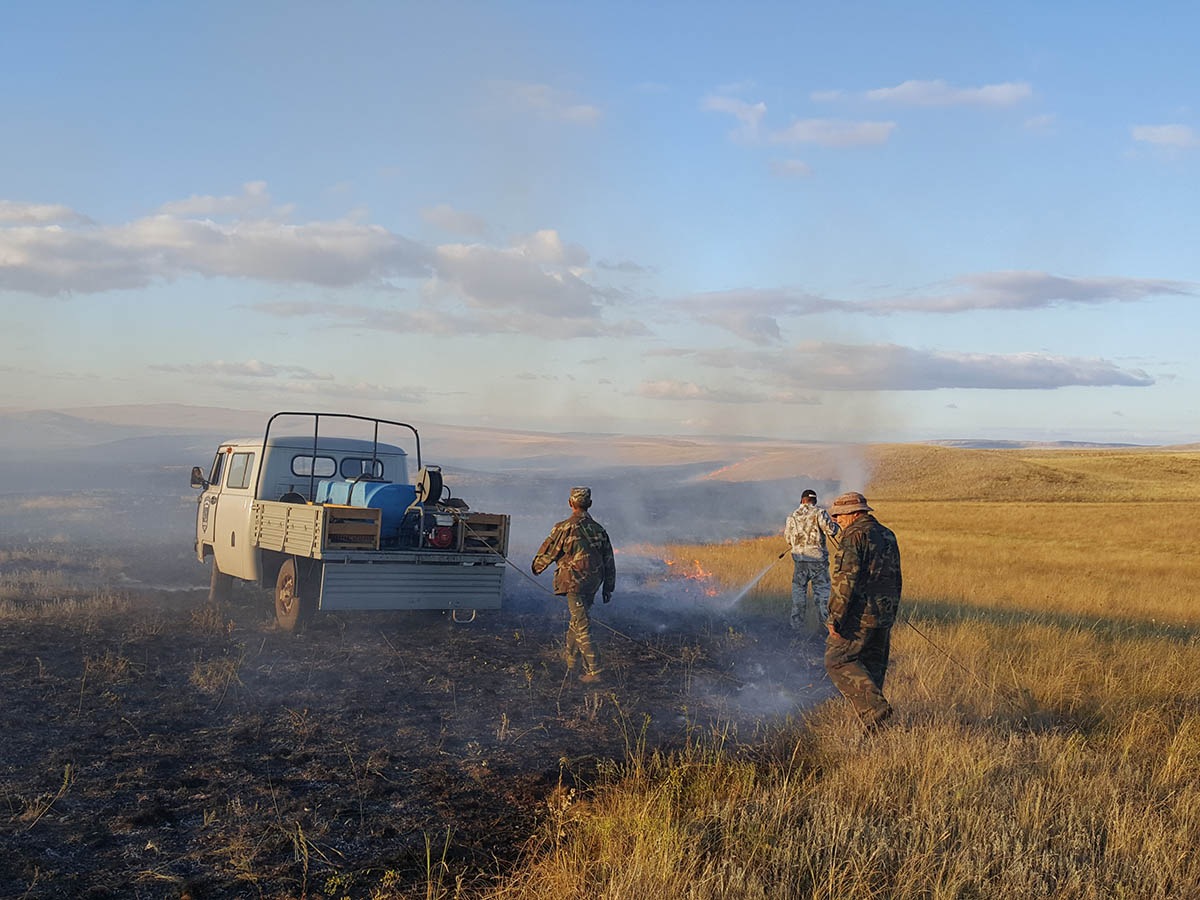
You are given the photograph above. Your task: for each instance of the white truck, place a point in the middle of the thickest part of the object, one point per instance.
(333, 523)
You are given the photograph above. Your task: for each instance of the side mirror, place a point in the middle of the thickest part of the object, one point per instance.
(198, 479)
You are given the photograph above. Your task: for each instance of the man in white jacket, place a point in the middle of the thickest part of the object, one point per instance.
(805, 532)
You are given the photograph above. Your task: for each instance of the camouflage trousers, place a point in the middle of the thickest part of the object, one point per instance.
(806, 572)
(856, 666)
(579, 636)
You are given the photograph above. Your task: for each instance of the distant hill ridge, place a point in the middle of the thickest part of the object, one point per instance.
(1026, 471)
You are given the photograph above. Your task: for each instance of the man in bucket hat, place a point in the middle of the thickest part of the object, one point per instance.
(584, 555)
(865, 597)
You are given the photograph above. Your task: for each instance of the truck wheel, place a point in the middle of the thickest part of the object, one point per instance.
(220, 586)
(295, 597)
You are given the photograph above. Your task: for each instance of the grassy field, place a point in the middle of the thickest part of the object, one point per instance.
(1048, 732)
(1046, 741)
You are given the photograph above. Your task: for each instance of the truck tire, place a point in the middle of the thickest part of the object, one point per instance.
(295, 596)
(220, 585)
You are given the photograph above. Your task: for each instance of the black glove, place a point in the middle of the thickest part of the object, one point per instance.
(607, 596)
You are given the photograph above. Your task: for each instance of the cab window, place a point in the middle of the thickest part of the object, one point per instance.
(325, 466)
(214, 476)
(353, 466)
(240, 470)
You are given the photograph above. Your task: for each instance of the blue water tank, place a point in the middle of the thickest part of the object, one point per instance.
(332, 491)
(393, 499)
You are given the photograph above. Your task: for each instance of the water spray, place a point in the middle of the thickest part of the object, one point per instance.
(759, 577)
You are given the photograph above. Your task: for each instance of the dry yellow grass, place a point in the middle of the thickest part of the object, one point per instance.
(922, 472)
(1062, 765)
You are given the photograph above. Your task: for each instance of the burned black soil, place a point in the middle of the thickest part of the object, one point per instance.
(155, 745)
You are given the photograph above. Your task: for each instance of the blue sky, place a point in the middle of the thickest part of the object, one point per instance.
(814, 221)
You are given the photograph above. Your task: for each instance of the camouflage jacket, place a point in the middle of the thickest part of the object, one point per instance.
(805, 531)
(865, 577)
(584, 555)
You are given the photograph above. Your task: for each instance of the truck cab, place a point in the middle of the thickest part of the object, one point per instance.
(291, 472)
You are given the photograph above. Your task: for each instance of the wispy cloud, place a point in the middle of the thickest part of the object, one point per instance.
(625, 267)
(457, 221)
(826, 366)
(546, 101)
(1030, 290)
(1178, 137)
(825, 132)
(672, 389)
(790, 168)
(272, 379)
(938, 93)
(833, 133)
(251, 368)
(254, 197)
(748, 115)
(1041, 124)
(754, 314)
(14, 213)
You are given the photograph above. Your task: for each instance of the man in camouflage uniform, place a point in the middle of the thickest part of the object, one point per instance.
(865, 599)
(805, 533)
(584, 555)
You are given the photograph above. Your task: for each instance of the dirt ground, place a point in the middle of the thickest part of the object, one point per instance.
(157, 746)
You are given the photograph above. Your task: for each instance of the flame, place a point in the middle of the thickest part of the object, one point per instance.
(696, 573)
(715, 472)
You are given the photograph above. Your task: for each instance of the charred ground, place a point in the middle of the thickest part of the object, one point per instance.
(155, 744)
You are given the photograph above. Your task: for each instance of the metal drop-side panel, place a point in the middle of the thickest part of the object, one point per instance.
(404, 586)
(293, 528)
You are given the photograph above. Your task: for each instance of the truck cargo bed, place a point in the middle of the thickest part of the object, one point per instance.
(328, 531)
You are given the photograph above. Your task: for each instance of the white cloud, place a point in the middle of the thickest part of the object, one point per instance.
(749, 115)
(546, 101)
(448, 218)
(536, 286)
(939, 93)
(790, 168)
(833, 133)
(14, 213)
(54, 259)
(512, 278)
(546, 246)
(254, 196)
(818, 365)
(1179, 137)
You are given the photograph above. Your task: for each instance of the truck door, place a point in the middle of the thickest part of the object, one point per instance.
(206, 506)
(231, 536)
